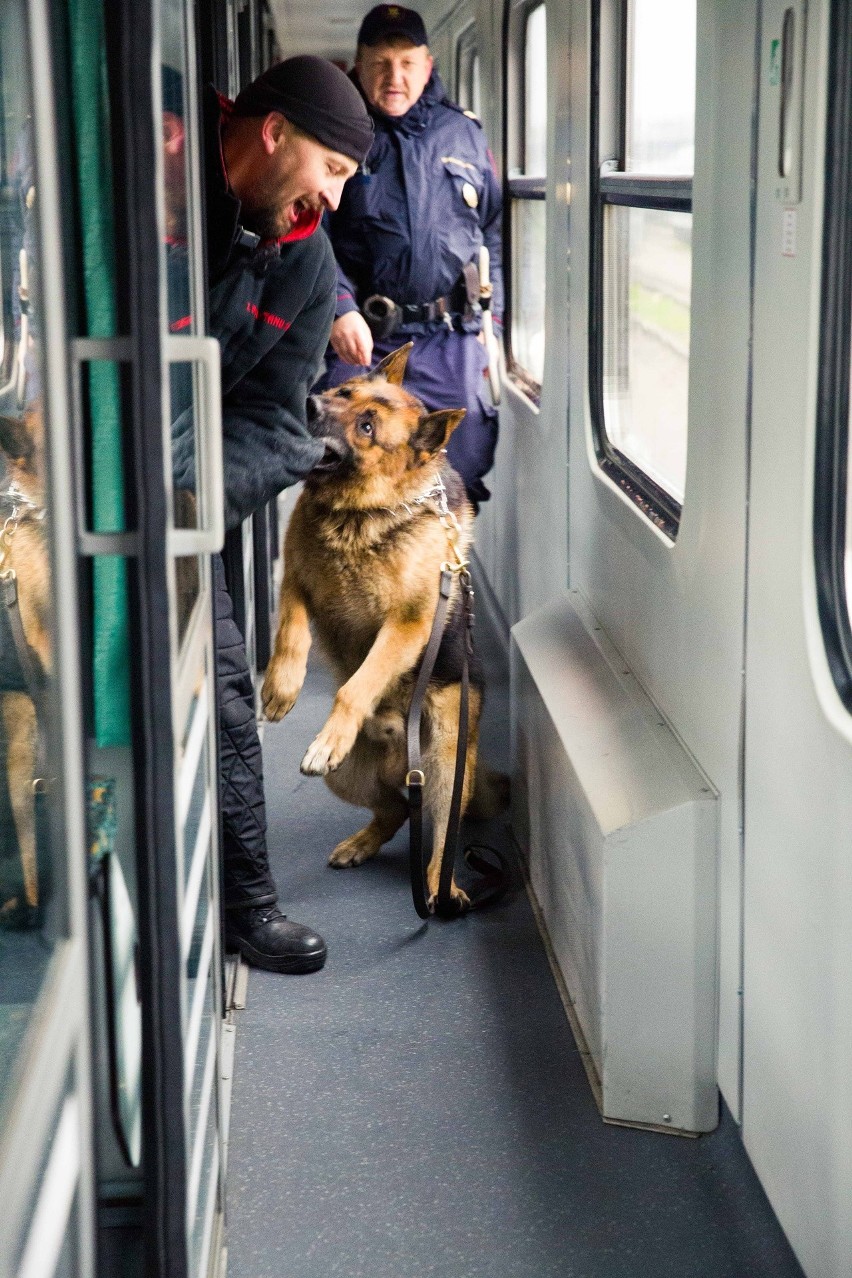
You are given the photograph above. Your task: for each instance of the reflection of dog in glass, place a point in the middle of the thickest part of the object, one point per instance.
(25, 649)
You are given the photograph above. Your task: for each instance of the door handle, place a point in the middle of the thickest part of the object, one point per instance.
(88, 350)
(209, 537)
(792, 75)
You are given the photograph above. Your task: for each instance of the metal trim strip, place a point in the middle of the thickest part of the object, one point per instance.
(39, 1079)
(193, 1028)
(194, 1184)
(196, 872)
(53, 1208)
(207, 1233)
(188, 768)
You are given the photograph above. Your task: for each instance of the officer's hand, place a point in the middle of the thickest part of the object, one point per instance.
(352, 340)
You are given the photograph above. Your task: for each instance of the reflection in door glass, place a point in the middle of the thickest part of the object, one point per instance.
(535, 93)
(475, 85)
(177, 257)
(30, 861)
(529, 227)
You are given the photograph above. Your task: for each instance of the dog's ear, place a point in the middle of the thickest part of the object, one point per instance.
(435, 429)
(15, 440)
(392, 367)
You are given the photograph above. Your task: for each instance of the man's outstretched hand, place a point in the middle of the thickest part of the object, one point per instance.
(352, 340)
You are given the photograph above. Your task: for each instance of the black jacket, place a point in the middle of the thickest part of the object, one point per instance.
(271, 308)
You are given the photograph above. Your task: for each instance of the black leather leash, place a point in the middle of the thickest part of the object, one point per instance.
(26, 657)
(495, 877)
(27, 660)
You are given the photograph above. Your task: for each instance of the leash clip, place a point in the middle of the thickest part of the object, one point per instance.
(10, 527)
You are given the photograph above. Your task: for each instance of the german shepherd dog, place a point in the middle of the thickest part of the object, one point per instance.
(362, 562)
(24, 552)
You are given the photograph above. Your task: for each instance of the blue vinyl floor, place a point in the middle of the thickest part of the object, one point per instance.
(420, 1107)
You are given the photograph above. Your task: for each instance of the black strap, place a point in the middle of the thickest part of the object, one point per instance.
(26, 657)
(495, 877)
(415, 777)
(446, 905)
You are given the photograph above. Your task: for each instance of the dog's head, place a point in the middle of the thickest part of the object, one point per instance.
(22, 446)
(378, 438)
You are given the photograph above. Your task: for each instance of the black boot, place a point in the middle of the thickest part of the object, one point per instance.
(267, 938)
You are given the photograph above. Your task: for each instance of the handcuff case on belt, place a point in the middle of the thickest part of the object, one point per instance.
(382, 314)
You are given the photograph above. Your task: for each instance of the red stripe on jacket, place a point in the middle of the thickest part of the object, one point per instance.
(268, 318)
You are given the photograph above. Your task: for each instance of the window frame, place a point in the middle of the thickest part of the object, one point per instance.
(831, 469)
(467, 51)
(611, 185)
(516, 17)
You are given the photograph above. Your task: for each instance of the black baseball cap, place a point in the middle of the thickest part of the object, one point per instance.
(392, 20)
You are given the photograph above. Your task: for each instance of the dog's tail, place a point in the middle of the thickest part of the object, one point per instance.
(491, 793)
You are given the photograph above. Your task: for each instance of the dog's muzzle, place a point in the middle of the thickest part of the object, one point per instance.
(314, 415)
(334, 459)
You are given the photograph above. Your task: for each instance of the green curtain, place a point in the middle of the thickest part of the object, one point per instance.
(91, 117)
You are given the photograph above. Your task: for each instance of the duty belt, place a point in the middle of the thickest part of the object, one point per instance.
(384, 316)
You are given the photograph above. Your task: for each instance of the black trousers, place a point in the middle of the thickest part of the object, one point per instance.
(246, 877)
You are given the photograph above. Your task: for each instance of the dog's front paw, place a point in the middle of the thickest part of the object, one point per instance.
(357, 849)
(328, 750)
(281, 688)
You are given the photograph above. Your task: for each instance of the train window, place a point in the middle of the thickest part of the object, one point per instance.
(833, 462)
(468, 81)
(535, 93)
(641, 253)
(34, 840)
(526, 79)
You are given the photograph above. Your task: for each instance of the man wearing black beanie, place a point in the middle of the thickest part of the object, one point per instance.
(275, 161)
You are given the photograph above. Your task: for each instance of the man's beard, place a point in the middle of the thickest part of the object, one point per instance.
(268, 223)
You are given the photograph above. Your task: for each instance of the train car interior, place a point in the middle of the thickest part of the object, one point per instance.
(636, 1061)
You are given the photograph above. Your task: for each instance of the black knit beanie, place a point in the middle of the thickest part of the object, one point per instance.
(318, 98)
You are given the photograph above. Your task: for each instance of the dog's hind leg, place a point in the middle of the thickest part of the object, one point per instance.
(439, 767)
(362, 779)
(19, 719)
(491, 794)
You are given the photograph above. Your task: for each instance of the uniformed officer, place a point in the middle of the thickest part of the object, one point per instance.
(407, 236)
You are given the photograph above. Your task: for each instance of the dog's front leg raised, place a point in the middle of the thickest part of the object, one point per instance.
(395, 650)
(288, 664)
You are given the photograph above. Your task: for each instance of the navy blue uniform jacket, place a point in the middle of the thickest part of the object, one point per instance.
(408, 222)
(271, 308)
